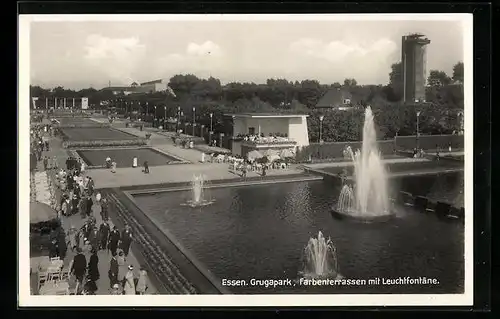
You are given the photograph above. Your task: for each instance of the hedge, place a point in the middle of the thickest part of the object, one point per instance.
(104, 143)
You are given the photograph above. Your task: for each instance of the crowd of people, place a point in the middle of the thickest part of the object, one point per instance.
(91, 239)
(78, 196)
(39, 143)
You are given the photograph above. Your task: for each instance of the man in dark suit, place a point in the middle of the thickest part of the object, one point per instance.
(94, 238)
(114, 238)
(126, 240)
(88, 205)
(113, 271)
(79, 265)
(104, 209)
(104, 234)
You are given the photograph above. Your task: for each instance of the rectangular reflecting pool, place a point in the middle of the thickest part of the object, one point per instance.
(260, 232)
(124, 156)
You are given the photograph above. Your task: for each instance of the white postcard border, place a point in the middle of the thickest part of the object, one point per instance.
(24, 297)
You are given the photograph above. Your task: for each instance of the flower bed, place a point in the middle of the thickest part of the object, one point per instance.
(104, 143)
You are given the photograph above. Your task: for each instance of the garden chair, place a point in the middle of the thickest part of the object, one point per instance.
(42, 279)
(54, 276)
(66, 272)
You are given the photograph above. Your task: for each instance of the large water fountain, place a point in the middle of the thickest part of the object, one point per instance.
(368, 198)
(198, 189)
(320, 258)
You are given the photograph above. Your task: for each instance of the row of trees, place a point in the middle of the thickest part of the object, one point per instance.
(444, 97)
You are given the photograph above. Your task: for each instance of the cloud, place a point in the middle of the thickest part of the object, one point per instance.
(361, 60)
(117, 58)
(203, 59)
(206, 48)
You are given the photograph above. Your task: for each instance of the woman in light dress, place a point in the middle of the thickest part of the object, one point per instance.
(129, 285)
(142, 283)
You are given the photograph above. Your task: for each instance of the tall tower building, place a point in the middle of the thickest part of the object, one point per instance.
(413, 50)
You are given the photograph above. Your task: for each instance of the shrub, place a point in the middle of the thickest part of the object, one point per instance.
(103, 143)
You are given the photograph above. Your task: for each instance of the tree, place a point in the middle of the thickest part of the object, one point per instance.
(350, 82)
(395, 88)
(458, 72)
(438, 78)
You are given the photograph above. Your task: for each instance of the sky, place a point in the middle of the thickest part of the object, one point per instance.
(82, 54)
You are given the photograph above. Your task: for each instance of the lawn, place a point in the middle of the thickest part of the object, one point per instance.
(96, 133)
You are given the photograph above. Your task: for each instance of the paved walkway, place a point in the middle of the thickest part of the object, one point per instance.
(76, 221)
(173, 174)
(164, 142)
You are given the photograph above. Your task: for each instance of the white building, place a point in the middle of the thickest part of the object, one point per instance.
(268, 131)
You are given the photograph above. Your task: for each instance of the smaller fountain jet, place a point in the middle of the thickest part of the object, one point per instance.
(320, 258)
(197, 188)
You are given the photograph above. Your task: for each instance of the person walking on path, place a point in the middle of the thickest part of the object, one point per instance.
(146, 167)
(114, 238)
(88, 205)
(54, 163)
(94, 266)
(126, 240)
(134, 162)
(94, 239)
(45, 163)
(142, 283)
(113, 167)
(129, 284)
(113, 271)
(104, 209)
(104, 234)
(79, 266)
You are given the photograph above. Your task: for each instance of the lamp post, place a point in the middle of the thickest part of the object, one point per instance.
(178, 118)
(321, 128)
(164, 117)
(211, 116)
(154, 118)
(417, 136)
(147, 111)
(194, 118)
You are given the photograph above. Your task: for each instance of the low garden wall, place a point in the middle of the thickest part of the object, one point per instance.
(327, 151)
